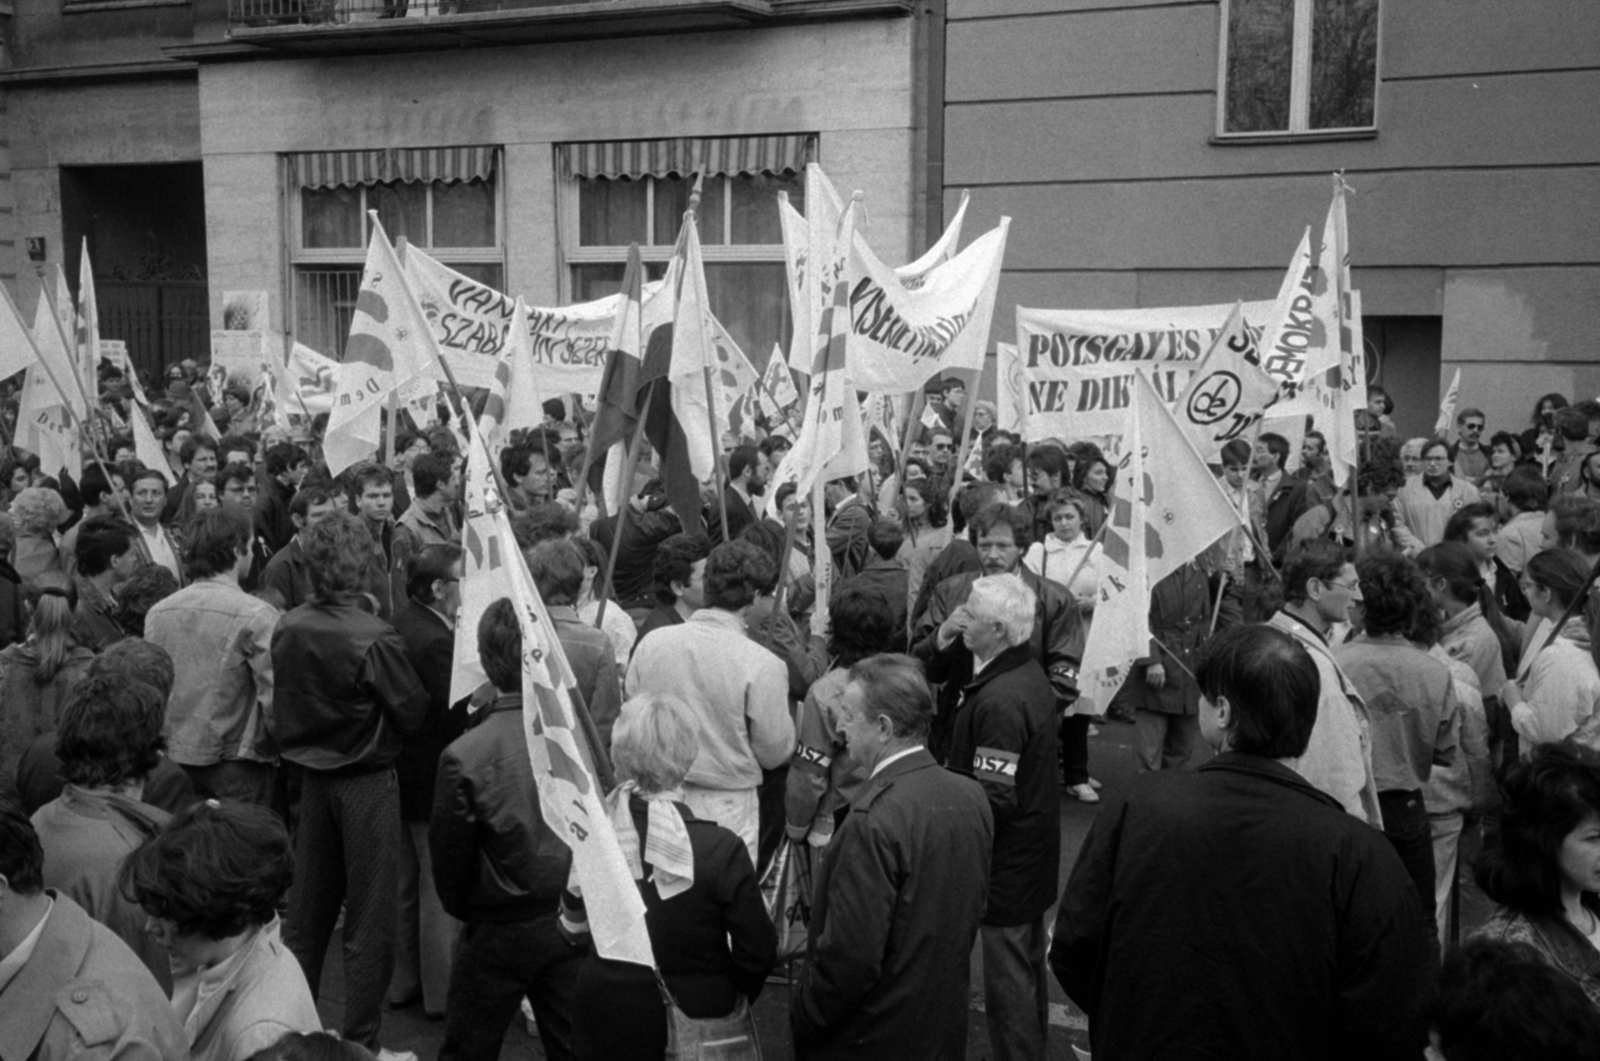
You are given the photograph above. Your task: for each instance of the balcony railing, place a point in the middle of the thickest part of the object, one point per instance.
(342, 12)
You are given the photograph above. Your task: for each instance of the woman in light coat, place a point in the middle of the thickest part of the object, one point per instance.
(1557, 687)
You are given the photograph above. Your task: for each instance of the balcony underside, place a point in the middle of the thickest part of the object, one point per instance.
(331, 27)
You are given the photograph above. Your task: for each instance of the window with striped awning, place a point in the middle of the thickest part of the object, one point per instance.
(426, 165)
(736, 156)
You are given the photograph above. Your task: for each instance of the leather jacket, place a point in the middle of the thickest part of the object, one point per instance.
(345, 692)
(494, 857)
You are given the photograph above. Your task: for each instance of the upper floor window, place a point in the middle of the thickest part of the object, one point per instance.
(627, 192)
(1298, 66)
(444, 200)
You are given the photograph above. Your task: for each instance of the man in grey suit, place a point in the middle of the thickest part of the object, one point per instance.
(900, 890)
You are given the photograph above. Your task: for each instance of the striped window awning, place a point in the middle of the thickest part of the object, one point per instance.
(339, 169)
(711, 156)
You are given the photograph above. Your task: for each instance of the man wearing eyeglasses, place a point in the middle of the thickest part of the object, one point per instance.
(1470, 456)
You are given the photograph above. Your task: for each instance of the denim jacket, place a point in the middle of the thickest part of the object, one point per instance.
(220, 640)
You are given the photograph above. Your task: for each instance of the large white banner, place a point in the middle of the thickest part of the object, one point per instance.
(469, 320)
(902, 336)
(1073, 371)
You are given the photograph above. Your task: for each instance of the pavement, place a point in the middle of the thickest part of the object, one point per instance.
(1111, 761)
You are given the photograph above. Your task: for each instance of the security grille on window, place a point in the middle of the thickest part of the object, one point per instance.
(444, 200)
(618, 193)
(1298, 66)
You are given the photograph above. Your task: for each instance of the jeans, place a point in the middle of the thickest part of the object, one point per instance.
(426, 934)
(1016, 992)
(1165, 742)
(496, 966)
(1405, 823)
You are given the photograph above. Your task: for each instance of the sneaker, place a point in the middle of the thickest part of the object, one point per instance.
(1094, 784)
(1094, 730)
(1083, 793)
(396, 1055)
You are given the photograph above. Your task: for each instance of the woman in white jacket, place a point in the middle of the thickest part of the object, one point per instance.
(1069, 552)
(1557, 688)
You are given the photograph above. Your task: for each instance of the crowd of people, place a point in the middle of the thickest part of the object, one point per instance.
(227, 735)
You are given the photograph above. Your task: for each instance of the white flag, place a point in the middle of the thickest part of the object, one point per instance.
(145, 445)
(1227, 393)
(513, 401)
(778, 383)
(735, 383)
(88, 352)
(832, 441)
(693, 352)
(1167, 510)
(913, 274)
(900, 337)
(1348, 386)
(823, 211)
(558, 750)
(1011, 391)
(390, 345)
(1286, 342)
(1447, 407)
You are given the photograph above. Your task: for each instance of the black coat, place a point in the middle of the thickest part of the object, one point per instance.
(1287, 504)
(1236, 911)
(899, 894)
(1057, 643)
(633, 584)
(430, 645)
(713, 943)
(1005, 736)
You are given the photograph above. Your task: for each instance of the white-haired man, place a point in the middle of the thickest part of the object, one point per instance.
(1004, 735)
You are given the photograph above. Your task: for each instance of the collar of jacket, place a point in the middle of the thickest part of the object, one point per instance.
(1008, 659)
(563, 613)
(106, 805)
(503, 702)
(1269, 770)
(55, 962)
(711, 616)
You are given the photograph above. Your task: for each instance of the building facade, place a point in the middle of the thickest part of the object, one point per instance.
(242, 147)
(1170, 152)
(1151, 152)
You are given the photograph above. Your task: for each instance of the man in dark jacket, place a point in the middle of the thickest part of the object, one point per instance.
(285, 468)
(557, 570)
(1236, 911)
(1005, 735)
(899, 891)
(1165, 698)
(680, 582)
(647, 526)
(287, 580)
(1283, 497)
(344, 698)
(426, 624)
(501, 870)
(885, 574)
(1000, 534)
